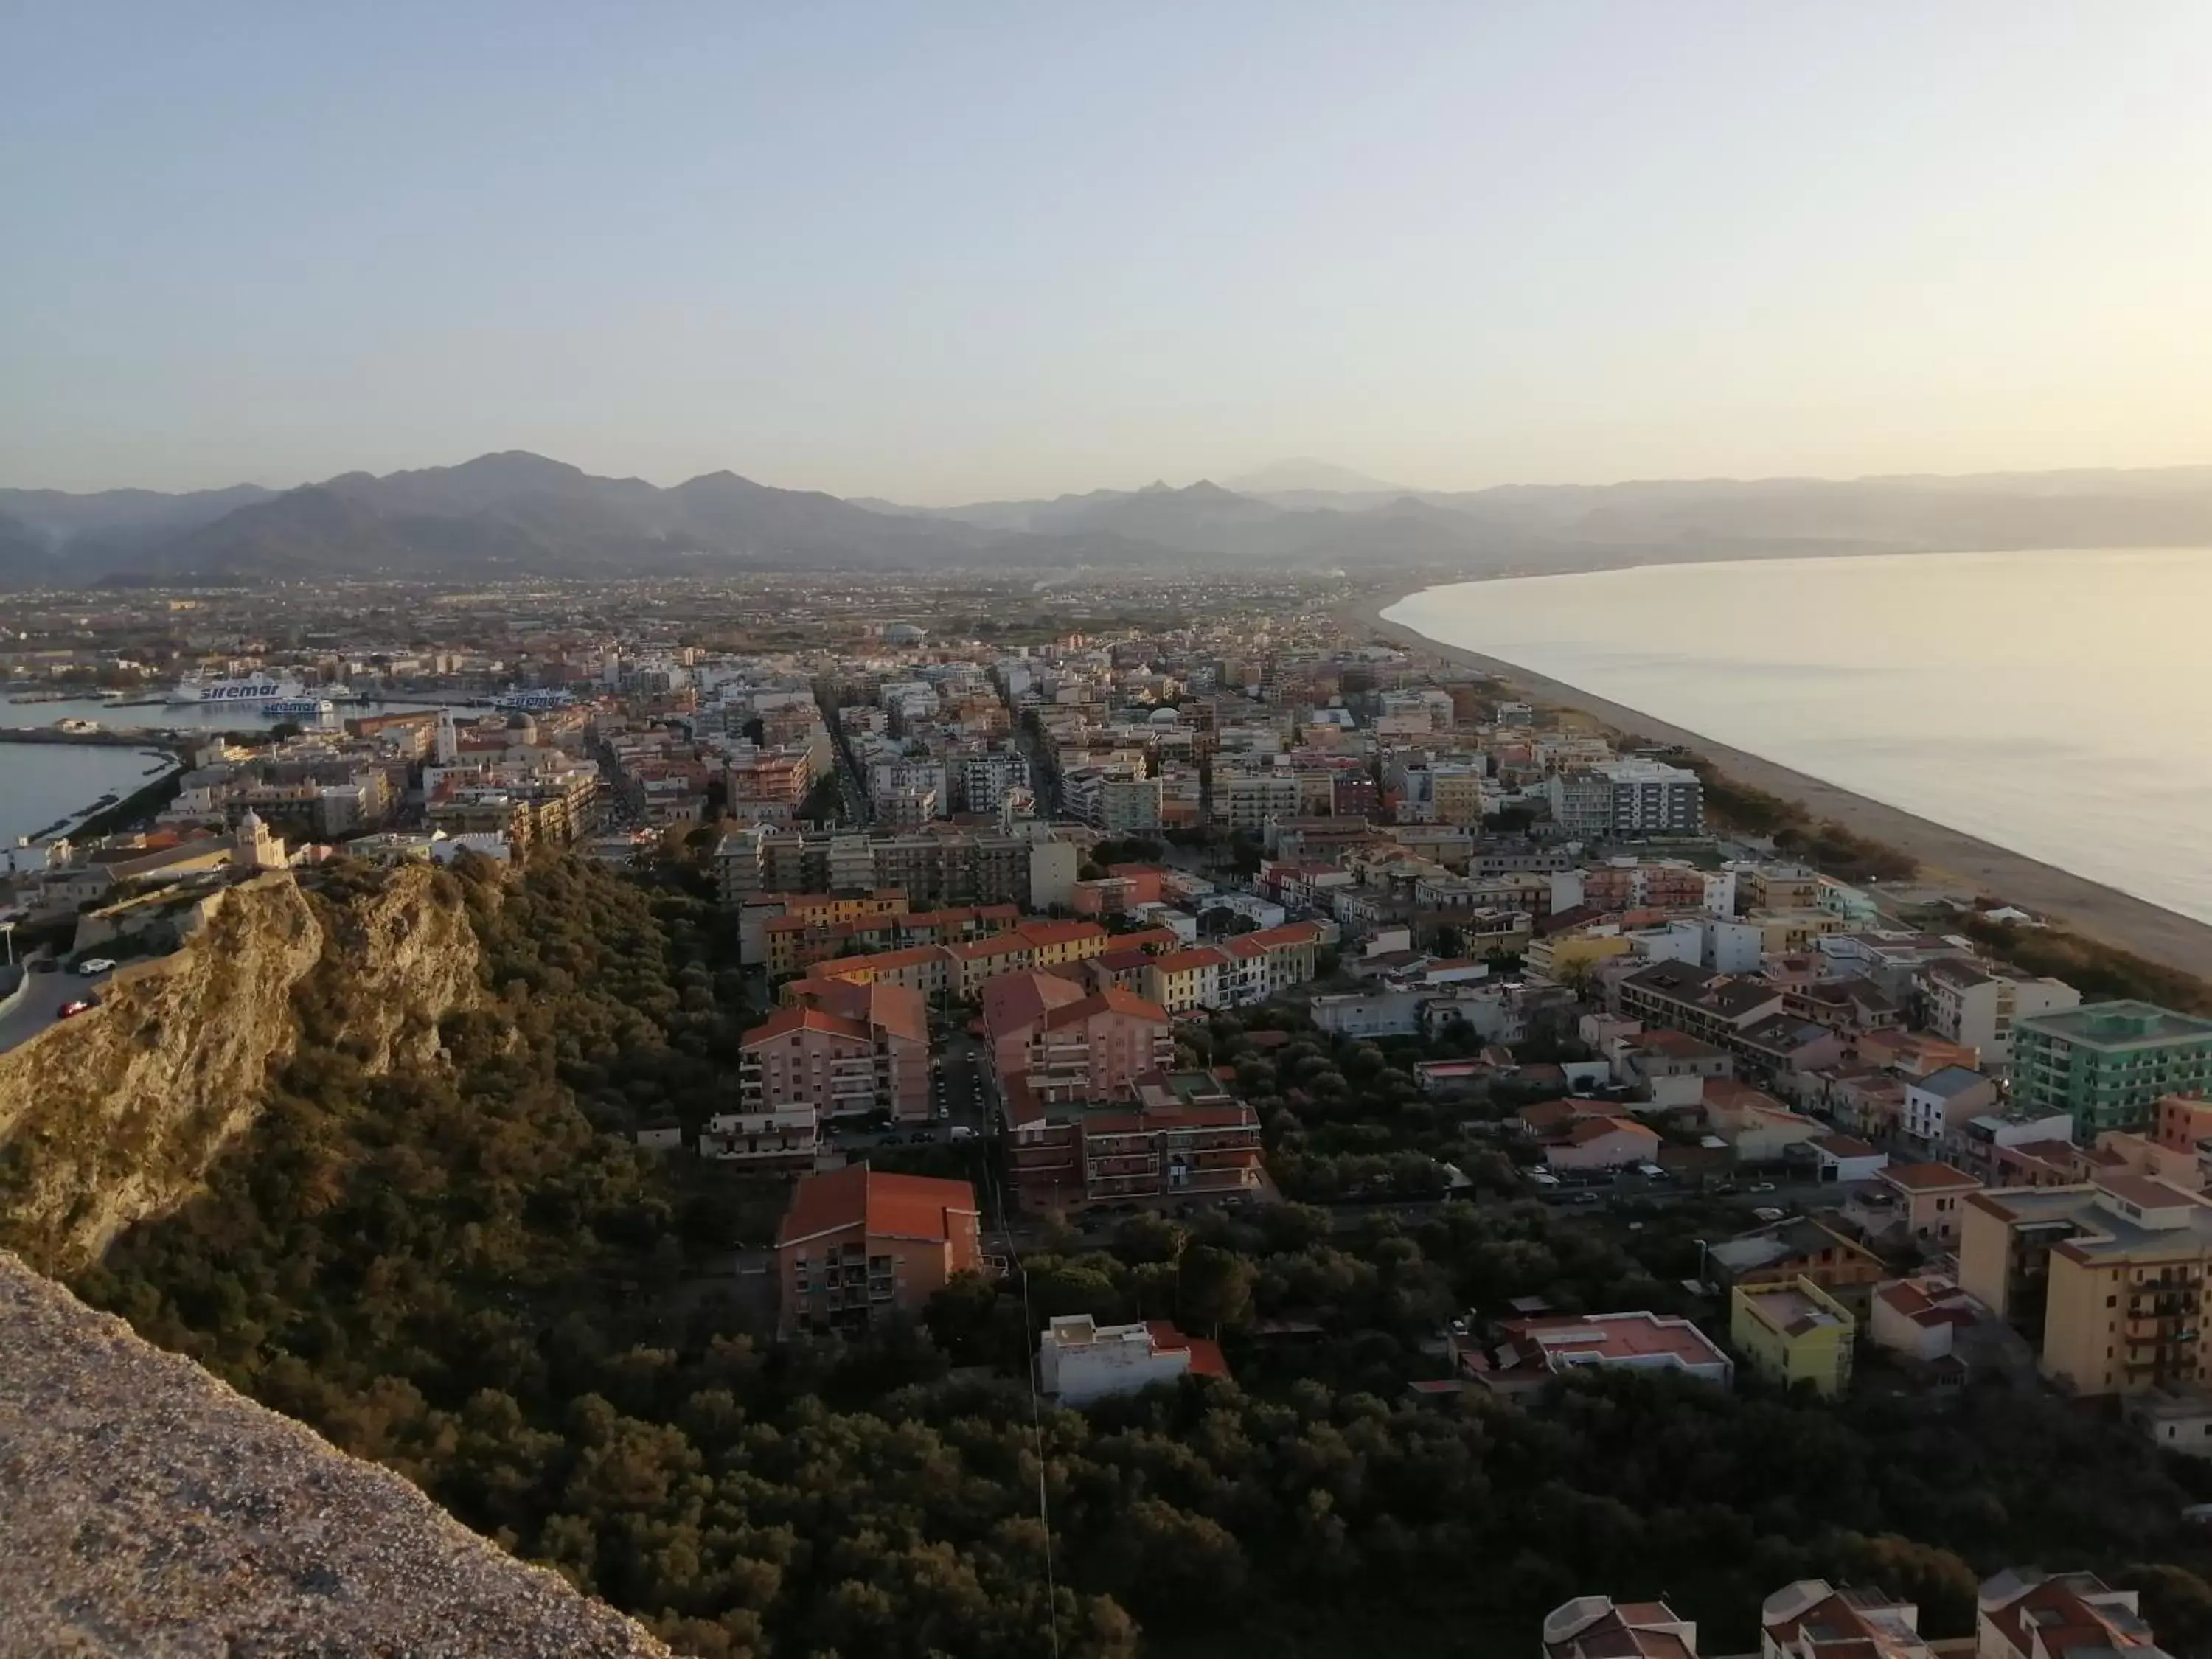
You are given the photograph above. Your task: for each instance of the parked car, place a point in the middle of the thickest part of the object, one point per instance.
(1768, 1213)
(1760, 1187)
(1586, 1198)
(77, 1005)
(96, 965)
(961, 1132)
(943, 1111)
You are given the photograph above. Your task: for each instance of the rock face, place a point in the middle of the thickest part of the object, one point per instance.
(114, 1116)
(150, 1510)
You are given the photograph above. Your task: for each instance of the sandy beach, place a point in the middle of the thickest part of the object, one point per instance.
(1949, 860)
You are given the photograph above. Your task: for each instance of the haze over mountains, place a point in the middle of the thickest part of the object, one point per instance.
(515, 514)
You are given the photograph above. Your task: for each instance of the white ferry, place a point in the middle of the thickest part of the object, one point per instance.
(298, 708)
(527, 701)
(254, 687)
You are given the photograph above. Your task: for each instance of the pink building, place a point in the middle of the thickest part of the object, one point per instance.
(847, 1050)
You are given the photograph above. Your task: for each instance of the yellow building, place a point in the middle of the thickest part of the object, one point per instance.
(1563, 956)
(1793, 1333)
(818, 909)
(2108, 1278)
(1458, 795)
(1791, 933)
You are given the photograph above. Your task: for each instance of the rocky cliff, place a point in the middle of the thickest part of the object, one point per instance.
(151, 1510)
(114, 1116)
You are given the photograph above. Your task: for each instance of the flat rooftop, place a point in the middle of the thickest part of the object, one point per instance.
(2117, 1026)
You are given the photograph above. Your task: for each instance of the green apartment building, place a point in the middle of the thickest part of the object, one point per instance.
(2108, 1062)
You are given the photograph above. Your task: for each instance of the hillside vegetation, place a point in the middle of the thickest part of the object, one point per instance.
(450, 1267)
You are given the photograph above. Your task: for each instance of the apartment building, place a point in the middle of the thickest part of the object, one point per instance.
(1792, 1332)
(846, 1051)
(1652, 798)
(791, 944)
(1681, 996)
(1582, 804)
(1247, 801)
(1180, 1134)
(1967, 1003)
(1185, 980)
(2108, 1277)
(1031, 945)
(925, 970)
(856, 1247)
(1944, 1100)
(936, 869)
(2109, 1063)
(1092, 1047)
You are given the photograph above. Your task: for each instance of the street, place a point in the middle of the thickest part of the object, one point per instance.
(958, 1090)
(40, 1005)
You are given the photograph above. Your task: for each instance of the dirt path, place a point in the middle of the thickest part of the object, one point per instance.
(1949, 860)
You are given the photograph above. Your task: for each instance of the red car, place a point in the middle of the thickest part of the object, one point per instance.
(78, 1006)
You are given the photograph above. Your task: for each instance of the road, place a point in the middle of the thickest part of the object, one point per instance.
(40, 1005)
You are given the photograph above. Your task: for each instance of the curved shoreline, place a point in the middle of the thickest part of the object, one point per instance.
(1949, 858)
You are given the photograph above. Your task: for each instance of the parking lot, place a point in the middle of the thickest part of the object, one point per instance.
(959, 1100)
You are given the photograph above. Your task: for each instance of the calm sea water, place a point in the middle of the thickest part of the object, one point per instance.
(2058, 703)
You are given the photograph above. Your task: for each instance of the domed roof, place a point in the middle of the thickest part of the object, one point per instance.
(1167, 714)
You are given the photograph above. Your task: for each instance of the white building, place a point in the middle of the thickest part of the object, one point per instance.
(1652, 798)
(1079, 1360)
(1978, 1006)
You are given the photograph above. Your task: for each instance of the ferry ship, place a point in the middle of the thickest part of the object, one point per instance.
(298, 708)
(254, 687)
(527, 702)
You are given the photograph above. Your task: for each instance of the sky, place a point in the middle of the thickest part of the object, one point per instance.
(944, 252)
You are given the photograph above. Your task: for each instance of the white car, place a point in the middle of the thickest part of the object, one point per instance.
(96, 965)
(961, 1132)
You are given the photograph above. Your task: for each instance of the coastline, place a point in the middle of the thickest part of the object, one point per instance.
(1949, 858)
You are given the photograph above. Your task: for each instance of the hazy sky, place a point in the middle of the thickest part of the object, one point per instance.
(943, 252)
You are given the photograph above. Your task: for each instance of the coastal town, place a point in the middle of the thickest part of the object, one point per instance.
(1122, 924)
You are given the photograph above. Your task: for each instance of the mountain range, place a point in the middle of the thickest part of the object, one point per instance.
(517, 514)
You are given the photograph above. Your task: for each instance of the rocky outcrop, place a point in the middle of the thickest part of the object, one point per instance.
(114, 1116)
(151, 1510)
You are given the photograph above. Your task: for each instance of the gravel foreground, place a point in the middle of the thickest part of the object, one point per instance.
(147, 1509)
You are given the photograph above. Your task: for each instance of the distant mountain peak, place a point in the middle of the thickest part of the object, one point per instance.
(1306, 472)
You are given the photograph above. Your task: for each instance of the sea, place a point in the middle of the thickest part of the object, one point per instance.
(43, 784)
(2058, 703)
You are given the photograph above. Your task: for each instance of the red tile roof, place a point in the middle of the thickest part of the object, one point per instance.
(1112, 1000)
(1926, 1177)
(1205, 1359)
(784, 1021)
(881, 1204)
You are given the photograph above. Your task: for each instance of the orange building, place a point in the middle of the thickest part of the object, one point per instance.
(857, 1246)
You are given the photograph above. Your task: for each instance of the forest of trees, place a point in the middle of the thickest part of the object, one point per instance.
(460, 1273)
